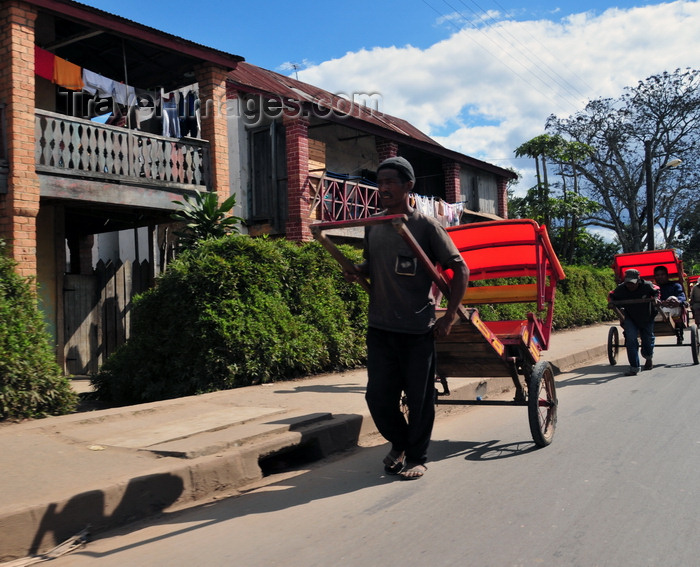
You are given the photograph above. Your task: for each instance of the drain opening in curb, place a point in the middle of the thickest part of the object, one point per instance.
(290, 459)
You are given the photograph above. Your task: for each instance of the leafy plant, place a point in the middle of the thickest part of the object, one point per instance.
(237, 311)
(205, 218)
(31, 383)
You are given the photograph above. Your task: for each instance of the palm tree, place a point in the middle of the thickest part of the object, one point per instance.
(540, 148)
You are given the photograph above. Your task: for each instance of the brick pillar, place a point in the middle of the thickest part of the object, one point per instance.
(20, 206)
(297, 140)
(453, 192)
(503, 197)
(386, 149)
(212, 97)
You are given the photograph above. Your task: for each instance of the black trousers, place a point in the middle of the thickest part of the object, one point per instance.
(399, 362)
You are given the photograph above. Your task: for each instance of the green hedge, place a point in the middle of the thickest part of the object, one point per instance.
(234, 312)
(581, 299)
(240, 311)
(31, 383)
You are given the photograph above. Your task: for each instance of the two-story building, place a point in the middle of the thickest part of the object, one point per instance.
(65, 177)
(104, 122)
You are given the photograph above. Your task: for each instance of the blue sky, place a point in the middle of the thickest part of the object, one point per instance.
(270, 34)
(479, 77)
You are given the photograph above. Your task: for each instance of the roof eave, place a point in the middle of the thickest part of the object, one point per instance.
(138, 32)
(431, 147)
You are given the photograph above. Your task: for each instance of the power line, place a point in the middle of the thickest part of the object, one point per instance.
(575, 102)
(551, 73)
(527, 65)
(537, 40)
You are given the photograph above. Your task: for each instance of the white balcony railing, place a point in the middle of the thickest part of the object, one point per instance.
(76, 147)
(338, 198)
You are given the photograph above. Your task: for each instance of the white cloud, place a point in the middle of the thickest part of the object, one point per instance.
(484, 91)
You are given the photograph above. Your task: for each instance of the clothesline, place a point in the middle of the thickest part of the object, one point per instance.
(183, 107)
(449, 214)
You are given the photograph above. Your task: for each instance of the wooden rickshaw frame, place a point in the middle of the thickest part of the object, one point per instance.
(664, 324)
(507, 251)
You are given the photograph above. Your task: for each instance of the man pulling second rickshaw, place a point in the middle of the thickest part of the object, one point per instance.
(638, 318)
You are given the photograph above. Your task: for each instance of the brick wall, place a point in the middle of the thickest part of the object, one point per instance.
(451, 169)
(19, 207)
(212, 94)
(386, 149)
(297, 140)
(503, 197)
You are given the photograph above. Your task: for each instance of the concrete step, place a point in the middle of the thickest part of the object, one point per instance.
(212, 441)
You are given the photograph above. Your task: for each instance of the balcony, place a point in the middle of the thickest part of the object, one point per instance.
(337, 197)
(73, 147)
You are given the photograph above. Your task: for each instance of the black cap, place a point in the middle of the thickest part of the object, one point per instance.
(632, 275)
(400, 164)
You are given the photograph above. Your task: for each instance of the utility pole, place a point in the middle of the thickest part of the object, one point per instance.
(650, 195)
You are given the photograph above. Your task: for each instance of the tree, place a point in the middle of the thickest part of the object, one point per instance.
(567, 156)
(663, 110)
(540, 148)
(589, 249)
(572, 243)
(31, 383)
(689, 240)
(562, 215)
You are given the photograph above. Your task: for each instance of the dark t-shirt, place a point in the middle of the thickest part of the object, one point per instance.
(401, 299)
(640, 313)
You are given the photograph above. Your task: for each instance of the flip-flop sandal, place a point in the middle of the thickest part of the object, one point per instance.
(394, 465)
(413, 471)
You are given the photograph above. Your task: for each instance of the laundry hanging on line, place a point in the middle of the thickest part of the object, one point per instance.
(449, 214)
(43, 63)
(67, 74)
(180, 108)
(96, 84)
(57, 70)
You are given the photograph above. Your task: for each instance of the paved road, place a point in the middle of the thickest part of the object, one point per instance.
(619, 486)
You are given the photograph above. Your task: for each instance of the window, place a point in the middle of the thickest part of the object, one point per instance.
(268, 176)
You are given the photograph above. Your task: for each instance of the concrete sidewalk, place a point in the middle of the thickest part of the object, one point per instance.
(109, 467)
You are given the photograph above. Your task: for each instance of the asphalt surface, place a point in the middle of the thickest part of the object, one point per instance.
(92, 471)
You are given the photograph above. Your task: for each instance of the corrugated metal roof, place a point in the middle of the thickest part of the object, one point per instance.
(250, 78)
(256, 79)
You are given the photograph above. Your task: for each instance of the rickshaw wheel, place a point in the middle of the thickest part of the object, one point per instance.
(542, 403)
(695, 344)
(613, 345)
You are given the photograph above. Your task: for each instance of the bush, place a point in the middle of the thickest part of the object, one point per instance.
(238, 311)
(31, 383)
(581, 299)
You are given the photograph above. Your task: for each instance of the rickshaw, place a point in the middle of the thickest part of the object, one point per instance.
(512, 261)
(665, 324)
